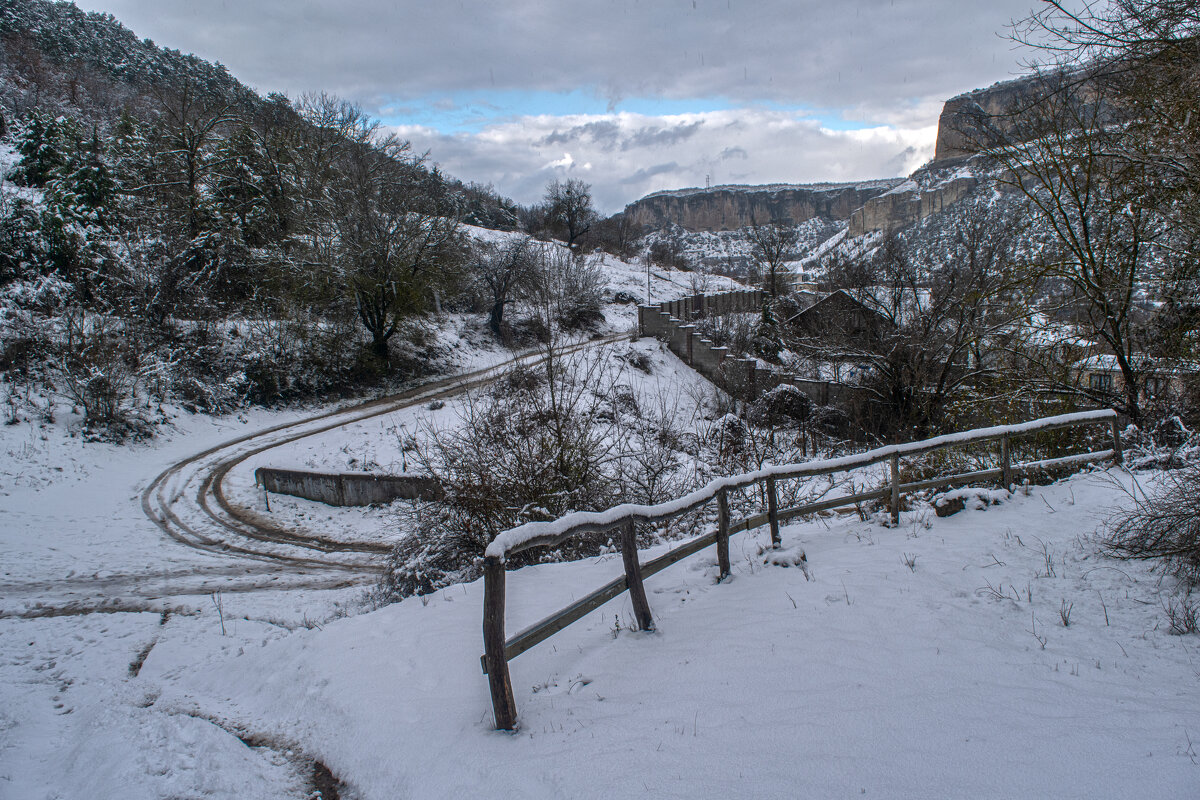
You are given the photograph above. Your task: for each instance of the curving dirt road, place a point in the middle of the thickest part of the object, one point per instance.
(189, 503)
(188, 500)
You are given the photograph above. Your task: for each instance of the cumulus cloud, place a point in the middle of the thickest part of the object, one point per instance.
(520, 156)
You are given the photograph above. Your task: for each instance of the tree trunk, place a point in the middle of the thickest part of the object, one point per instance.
(496, 317)
(379, 345)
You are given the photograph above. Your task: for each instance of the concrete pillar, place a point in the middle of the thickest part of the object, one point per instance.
(678, 341)
(664, 324)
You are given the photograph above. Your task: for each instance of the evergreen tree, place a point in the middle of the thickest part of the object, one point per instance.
(767, 342)
(41, 145)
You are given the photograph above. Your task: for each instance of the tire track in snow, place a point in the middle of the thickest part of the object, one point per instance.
(188, 502)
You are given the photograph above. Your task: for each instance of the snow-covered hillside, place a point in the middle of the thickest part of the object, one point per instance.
(928, 659)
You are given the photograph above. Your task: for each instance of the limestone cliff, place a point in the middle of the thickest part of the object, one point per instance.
(914, 200)
(727, 208)
(959, 124)
(982, 116)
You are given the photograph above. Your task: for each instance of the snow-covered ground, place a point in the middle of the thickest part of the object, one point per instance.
(955, 676)
(378, 444)
(925, 660)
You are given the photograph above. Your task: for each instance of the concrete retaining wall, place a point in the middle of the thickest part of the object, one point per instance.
(347, 489)
(698, 305)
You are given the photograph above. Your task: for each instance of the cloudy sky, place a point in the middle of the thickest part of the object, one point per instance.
(632, 96)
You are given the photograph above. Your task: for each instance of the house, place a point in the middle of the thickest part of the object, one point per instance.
(840, 316)
(1101, 373)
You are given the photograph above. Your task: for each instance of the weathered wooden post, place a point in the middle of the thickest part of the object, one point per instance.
(773, 512)
(633, 577)
(723, 534)
(504, 708)
(1118, 452)
(895, 490)
(1005, 464)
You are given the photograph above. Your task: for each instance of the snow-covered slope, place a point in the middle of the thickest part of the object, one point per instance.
(955, 676)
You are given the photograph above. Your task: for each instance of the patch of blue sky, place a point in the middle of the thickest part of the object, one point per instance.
(470, 111)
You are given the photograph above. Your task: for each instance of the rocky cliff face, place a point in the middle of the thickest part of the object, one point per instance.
(980, 117)
(983, 116)
(727, 208)
(959, 123)
(910, 202)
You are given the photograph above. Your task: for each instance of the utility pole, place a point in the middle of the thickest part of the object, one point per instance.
(646, 258)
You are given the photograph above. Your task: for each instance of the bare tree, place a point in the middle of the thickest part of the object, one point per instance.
(934, 330)
(569, 208)
(770, 246)
(504, 270)
(377, 229)
(1107, 153)
(1099, 228)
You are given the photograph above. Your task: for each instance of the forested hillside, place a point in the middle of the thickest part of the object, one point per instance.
(166, 232)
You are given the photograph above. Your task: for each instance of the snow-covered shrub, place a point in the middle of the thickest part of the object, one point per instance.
(581, 294)
(535, 445)
(566, 435)
(1164, 525)
(785, 404)
(98, 369)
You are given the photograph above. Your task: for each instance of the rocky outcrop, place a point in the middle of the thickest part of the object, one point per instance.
(1015, 111)
(967, 122)
(909, 203)
(727, 208)
(960, 132)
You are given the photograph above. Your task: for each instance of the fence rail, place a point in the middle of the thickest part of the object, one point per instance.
(499, 650)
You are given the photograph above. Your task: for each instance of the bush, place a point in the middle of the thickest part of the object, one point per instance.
(535, 445)
(1163, 526)
(565, 435)
(99, 371)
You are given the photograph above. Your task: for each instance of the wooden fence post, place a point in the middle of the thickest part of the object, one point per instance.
(1118, 452)
(504, 708)
(633, 578)
(895, 490)
(723, 533)
(773, 512)
(1005, 464)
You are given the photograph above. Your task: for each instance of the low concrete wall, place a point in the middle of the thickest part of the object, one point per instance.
(347, 489)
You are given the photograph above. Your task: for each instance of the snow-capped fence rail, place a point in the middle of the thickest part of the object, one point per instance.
(498, 650)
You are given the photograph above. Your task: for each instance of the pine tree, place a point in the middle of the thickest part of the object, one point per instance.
(41, 145)
(767, 343)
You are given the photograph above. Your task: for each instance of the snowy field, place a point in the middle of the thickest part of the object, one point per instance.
(953, 677)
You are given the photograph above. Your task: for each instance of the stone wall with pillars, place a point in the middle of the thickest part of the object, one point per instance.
(671, 322)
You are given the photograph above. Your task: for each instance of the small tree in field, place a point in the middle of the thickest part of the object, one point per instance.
(387, 239)
(505, 272)
(569, 209)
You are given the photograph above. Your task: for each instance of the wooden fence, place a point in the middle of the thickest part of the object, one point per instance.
(498, 650)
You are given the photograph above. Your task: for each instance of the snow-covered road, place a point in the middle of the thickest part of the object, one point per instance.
(188, 502)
